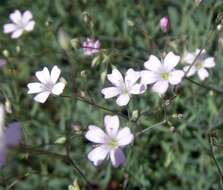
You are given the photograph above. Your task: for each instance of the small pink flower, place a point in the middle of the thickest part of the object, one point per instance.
(109, 144)
(164, 24)
(90, 46)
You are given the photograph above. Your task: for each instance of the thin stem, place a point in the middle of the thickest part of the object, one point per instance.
(220, 91)
(149, 128)
(96, 105)
(214, 159)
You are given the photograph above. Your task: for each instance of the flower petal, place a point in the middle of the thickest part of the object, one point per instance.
(111, 125)
(13, 134)
(170, 61)
(191, 72)
(131, 77)
(44, 75)
(96, 134)
(27, 16)
(153, 63)
(29, 27)
(8, 28)
(16, 17)
(124, 137)
(34, 87)
(123, 99)
(55, 74)
(160, 87)
(189, 58)
(148, 77)
(58, 88)
(117, 157)
(202, 73)
(115, 77)
(110, 92)
(17, 33)
(176, 77)
(97, 155)
(138, 89)
(209, 62)
(42, 97)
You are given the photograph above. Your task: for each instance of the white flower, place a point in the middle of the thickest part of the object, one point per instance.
(20, 23)
(109, 143)
(202, 63)
(162, 73)
(123, 88)
(48, 84)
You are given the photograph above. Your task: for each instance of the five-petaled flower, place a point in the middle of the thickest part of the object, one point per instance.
(48, 84)
(90, 46)
(9, 136)
(162, 73)
(109, 144)
(123, 88)
(201, 64)
(20, 23)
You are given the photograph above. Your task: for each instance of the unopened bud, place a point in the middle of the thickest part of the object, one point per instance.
(5, 53)
(164, 24)
(135, 114)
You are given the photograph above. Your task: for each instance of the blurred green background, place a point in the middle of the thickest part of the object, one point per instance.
(128, 31)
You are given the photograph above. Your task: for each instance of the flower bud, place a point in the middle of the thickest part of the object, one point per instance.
(164, 24)
(5, 53)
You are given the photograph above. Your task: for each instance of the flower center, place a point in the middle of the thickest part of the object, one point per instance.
(48, 86)
(165, 76)
(199, 65)
(112, 143)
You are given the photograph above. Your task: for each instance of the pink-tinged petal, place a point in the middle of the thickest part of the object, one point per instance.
(176, 77)
(3, 152)
(123, 99)
(170, 61)
(115, 77)
(111, 125)
(110, 92)
(13, 134)
(189, 58)
(202, 73)
(97, 45)
(29, 27)
(191, 72)
(148, 77)
(58, 88)
(27, 16)
(138, 89)
(17, 33)
(16, 17)
(96, 134)
(209, 62)
(124, 137)
(55, 74)
(42, 97)
(97, 155)
(153, 63)
(160, 87)
(35, 87)
(131, 77)
(2, 62)
(44, 75)
(8, 28)
(117, 157)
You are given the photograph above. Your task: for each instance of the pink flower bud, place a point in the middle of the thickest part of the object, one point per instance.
(164, 24)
